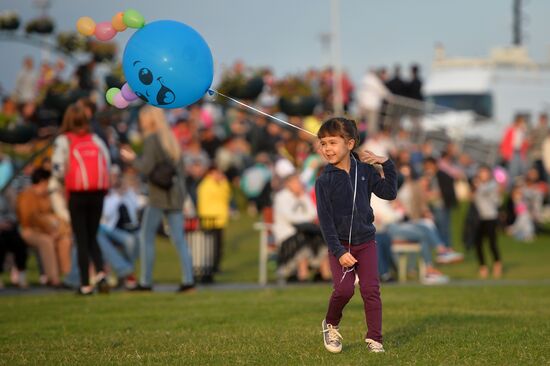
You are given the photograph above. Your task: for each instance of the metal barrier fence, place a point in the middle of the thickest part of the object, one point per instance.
(419, 117)
(204, 245)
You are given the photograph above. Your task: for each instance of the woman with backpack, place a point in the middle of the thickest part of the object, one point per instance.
(161, 163)
(82, 160)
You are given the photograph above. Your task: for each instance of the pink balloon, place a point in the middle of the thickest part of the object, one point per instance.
(119, 101)
(500, 175)
(207, 118)
(104, 31)
(127, 93)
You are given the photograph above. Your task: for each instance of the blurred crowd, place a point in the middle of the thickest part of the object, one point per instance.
(236, 161)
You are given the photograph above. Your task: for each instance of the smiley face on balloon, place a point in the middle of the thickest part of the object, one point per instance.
(166, 63)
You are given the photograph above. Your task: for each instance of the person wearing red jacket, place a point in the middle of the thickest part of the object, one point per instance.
(513, 148)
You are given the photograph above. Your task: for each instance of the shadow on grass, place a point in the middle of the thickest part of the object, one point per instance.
(436, 324)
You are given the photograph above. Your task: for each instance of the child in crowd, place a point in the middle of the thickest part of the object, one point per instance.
(213, 198)
(523, 228)
(487, 201)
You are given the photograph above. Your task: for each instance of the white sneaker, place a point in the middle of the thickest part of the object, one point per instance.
(14, 276)
(373, 346)
(23, 283)
(449, 257)
(435, 279)
(331, 337)
(43, 280)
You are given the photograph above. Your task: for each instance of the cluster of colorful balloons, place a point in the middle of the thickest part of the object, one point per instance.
(166, 63)
(105, 31)
(120, 98)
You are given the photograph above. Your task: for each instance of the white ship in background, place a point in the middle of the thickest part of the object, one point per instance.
(477, 98)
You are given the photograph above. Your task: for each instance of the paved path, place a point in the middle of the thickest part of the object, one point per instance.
(168, 288)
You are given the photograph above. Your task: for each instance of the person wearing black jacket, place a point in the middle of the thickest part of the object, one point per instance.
(413, 88)
(397, 86)
(442, 198)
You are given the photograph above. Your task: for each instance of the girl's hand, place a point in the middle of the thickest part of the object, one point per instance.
(347, 260)
(369, 157)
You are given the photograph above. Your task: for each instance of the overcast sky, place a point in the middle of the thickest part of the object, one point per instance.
(284, 34)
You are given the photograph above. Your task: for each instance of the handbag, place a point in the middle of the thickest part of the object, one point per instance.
(163, 174)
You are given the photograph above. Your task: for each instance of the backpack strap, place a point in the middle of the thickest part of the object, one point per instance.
(70, 137)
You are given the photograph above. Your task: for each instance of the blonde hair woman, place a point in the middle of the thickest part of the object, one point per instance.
(161, 158)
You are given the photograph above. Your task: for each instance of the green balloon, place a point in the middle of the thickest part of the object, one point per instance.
(133, 18)
(111, 94)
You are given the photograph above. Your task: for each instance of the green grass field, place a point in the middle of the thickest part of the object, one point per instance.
(465, 323)
(452, 325)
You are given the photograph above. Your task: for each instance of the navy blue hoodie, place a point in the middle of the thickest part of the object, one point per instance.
(334, 192)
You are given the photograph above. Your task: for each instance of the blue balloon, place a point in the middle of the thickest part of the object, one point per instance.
(168, 64)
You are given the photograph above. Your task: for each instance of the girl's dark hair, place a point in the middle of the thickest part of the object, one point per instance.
(39, 175)
(343, 127)
(485, 167)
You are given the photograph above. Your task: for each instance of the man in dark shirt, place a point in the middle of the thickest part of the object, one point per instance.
(394, 110)
(414, 86)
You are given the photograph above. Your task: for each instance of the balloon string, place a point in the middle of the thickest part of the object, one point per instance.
(212, 91)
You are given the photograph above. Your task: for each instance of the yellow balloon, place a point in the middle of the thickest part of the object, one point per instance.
(118, 23)
(85, 26)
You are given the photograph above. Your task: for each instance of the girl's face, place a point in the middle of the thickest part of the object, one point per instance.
(485, 175)
(336, 149)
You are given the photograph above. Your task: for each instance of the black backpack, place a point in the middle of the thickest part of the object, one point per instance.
(163, 175)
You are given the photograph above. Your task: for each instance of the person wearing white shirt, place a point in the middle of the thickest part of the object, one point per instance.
(300, 241)
(25, 85)
(372, 93)
(118, 230)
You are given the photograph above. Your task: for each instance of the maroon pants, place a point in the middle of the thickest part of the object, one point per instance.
(367, 271)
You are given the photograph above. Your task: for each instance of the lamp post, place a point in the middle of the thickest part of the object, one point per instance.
(325, 39)
(43, 6)
(337, 100)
